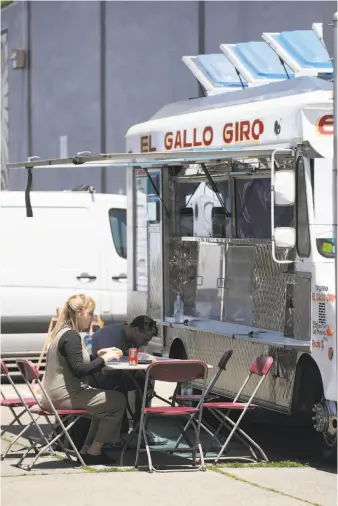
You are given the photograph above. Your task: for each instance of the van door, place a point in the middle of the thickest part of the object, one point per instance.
(45, 260)
(114, 302)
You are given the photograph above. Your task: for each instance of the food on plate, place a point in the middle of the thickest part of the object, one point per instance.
(146, 356)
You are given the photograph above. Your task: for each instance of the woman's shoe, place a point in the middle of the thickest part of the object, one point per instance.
(98, 460)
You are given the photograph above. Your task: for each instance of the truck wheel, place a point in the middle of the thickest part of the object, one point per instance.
(330, 453)
(177, 350)
(325, 422)
(309, 404)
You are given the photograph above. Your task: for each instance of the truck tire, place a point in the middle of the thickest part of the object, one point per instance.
(309, 391)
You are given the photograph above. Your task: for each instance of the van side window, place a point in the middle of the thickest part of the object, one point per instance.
(118, 227)
(302, 219)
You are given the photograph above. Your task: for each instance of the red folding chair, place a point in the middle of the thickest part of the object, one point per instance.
(183, 399)
(175, 371)
(14, 402)
(47, 442)
(260, 367)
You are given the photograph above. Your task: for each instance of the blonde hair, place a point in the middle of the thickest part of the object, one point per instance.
(68, 316)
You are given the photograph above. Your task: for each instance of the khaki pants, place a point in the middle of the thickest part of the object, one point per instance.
(106, 408)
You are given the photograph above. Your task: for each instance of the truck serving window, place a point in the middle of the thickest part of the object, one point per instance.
(253, 209)
(118, 226)
(201, 212)
(302, 218)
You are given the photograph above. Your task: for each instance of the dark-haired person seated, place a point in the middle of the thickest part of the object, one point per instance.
(123, 336)
(128, 335)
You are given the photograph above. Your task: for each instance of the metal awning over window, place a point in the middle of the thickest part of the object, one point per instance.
(141, 159)
(127, 160)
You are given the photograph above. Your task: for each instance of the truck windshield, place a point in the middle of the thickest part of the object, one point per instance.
(326, 247)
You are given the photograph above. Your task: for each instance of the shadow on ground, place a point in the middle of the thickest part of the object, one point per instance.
(281, 438)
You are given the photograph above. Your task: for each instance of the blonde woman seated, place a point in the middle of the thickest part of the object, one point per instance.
(67, 367)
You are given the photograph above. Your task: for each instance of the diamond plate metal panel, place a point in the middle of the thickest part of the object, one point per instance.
(155, 270)
(183, 258)
(269, 290)
(302, 308)
(137, 304)
(276, 391)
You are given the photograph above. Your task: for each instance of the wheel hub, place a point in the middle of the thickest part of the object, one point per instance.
(326, 419)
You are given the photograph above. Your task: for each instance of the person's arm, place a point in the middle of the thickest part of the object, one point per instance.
(70, 347)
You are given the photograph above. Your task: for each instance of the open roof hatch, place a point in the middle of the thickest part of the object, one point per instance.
(303, 50)
(257, 62)
(215, 73)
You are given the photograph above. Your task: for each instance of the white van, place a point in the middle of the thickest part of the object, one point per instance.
(75, 243)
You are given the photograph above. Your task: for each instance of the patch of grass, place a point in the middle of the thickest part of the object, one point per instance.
(36, 474)
(17, 443)
(283, 463)
(262, 487)
(110, 469)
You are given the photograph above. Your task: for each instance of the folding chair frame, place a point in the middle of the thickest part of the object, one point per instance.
(16, 418)
(221, 367)
(267, 362)
(27, 369)
(150, 374)
(136, 426)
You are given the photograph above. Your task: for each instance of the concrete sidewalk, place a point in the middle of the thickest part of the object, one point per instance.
(142, 489)
(311, 485)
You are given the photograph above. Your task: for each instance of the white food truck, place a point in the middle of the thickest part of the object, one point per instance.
(232, 204)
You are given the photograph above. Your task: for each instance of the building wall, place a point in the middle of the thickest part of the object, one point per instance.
(96, 69)
(11, 23)
(231, 22)
(144, 63)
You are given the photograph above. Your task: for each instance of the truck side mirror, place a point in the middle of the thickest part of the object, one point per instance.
(284, 237)
(284, 188)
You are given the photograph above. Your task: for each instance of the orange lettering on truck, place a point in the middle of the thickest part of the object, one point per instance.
(325, 125)
(242, 131)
